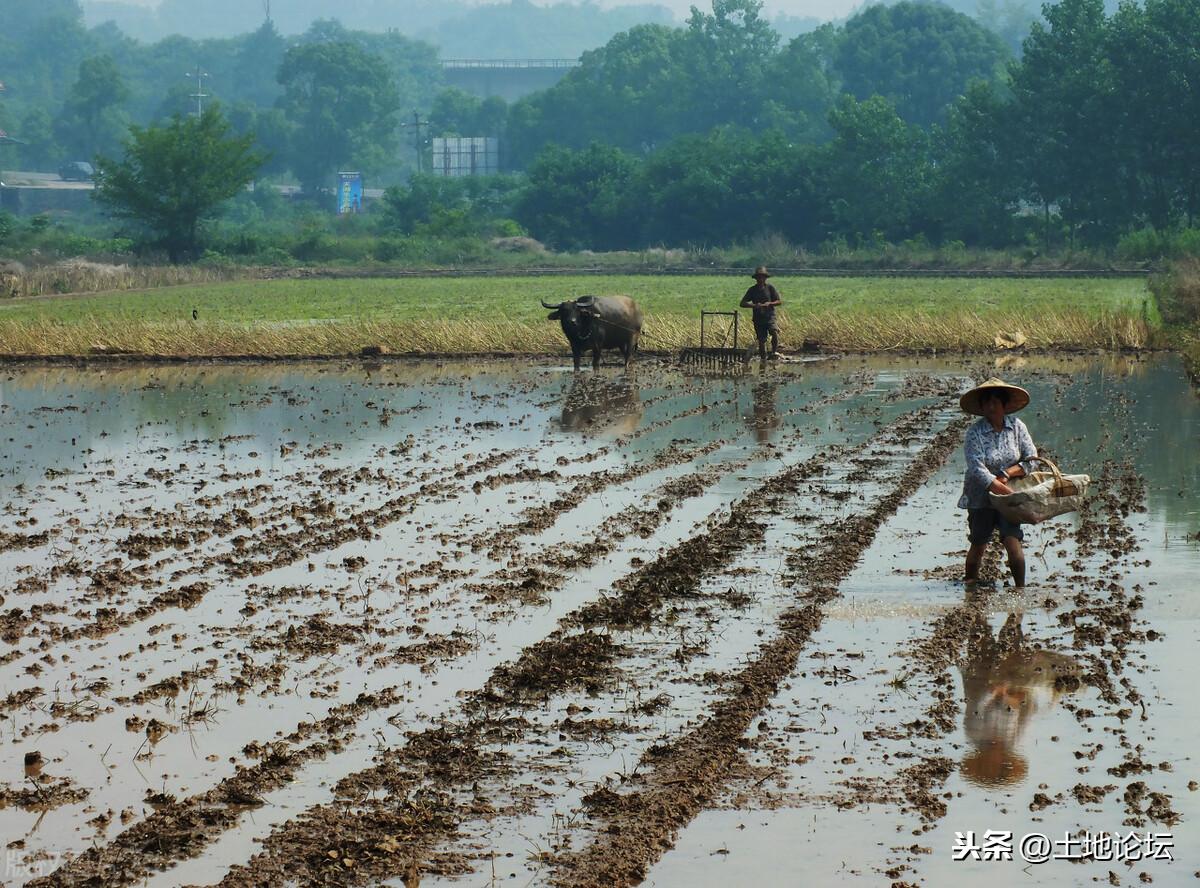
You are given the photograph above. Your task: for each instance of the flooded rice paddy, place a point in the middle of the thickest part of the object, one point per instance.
(469, 624)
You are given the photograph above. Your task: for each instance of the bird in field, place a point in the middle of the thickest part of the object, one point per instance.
(195, 315)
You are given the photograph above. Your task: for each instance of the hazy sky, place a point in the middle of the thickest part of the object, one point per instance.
(822, 9)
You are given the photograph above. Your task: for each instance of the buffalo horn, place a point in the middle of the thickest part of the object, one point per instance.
(546, 304)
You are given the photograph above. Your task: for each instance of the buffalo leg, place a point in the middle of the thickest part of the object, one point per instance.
(576, 353)
(595, 359)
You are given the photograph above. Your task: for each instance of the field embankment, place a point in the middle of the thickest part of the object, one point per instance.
(503, 314)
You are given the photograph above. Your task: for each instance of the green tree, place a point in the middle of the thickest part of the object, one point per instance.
(581, 199)
(271, 131)
(428, 202)
(920, 56)
(259, 57)
(1066, 109)
(174, 177)
(631, 93)
(1008, 19)
(342, 103)
(975, 188)
(92, 121)
(40, 147)
(727, 186)
(458, 113)
(802, 84)
(652, 83)
(877, 169)
(1155, 54)
(41, 43)
(727, 57)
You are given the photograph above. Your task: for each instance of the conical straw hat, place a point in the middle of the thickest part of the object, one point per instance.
(1018, 398)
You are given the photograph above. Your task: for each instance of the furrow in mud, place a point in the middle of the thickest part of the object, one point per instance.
(447, 760)
(678, 779)
(121, 860)
(182, 828)
(270, 547)
(633, 592)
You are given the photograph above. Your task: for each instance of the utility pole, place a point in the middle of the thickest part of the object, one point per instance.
(199, 95)
(416, 125)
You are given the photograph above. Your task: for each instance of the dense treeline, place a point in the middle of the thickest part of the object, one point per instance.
(71, 93)
(1091, 134)
(910, 122)
(727, 68)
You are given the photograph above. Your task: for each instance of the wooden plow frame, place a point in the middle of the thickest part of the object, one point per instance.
(720, 357)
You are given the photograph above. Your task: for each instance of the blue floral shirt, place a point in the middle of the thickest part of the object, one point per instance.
(988, 451)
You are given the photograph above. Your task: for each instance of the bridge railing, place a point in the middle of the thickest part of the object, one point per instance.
(510, 63)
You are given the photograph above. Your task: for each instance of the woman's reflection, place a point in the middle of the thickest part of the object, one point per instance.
(1005, 684)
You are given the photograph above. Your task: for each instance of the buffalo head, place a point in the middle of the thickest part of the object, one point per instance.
(576, 316)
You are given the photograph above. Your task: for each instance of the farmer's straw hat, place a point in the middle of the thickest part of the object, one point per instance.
(1018, 398)
(761, 271)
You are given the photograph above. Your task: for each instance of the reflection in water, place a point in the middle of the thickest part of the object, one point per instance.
(1005, 683)
(764, 417)
(596, 405)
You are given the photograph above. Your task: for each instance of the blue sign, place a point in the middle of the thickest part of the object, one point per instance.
(349, 193)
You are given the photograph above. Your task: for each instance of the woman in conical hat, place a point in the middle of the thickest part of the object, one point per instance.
(998, 449)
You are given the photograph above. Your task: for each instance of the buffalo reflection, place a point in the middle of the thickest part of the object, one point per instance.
(598, 406)
(1005, 683)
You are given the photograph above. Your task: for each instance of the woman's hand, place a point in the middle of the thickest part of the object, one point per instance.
(999, 488)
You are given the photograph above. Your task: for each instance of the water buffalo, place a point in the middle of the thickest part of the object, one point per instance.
(599, 322)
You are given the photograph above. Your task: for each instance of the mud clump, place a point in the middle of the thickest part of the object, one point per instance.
(42, 793)
(1091, 795)
(584, 660)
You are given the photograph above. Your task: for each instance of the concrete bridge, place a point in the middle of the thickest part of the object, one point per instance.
(510, 79)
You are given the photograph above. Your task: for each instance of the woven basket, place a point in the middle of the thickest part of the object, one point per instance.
(1038, 496)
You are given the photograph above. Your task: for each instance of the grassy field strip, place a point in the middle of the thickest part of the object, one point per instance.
(880, 330)
(519, 298)
(330, 317)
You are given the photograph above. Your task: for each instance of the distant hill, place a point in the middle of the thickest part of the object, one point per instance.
(511, 29)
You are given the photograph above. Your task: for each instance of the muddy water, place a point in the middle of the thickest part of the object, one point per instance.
(241, 602)
(835, 809)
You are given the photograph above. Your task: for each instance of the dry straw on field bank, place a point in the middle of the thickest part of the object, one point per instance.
(82, 276)
(883, 331)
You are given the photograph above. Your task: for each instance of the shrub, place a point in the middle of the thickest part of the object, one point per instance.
(390, 249)
(1142, 245)
(1149, 244)
(1178, 292)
